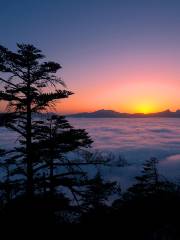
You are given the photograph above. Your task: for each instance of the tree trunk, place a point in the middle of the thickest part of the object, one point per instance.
(30, 187)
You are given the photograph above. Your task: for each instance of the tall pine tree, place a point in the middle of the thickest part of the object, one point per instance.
(25, 82)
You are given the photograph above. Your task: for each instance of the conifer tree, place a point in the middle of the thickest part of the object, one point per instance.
(99, 191)
(150, 182)
(25, 84)
(55, 138)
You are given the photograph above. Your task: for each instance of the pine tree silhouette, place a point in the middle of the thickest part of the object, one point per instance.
(150, 182)
(25, 80)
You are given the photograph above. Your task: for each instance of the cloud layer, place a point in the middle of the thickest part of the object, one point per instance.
(135, 139)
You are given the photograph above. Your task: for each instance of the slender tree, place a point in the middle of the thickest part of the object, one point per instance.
(55, 138)
(99, 191)
(150, 182)
(26, 82)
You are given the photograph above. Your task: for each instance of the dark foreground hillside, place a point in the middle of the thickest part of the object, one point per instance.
(149, 210)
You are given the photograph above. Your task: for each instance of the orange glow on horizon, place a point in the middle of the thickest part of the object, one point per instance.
(139, 84)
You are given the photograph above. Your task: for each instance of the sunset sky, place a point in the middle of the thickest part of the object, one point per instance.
(122, 55)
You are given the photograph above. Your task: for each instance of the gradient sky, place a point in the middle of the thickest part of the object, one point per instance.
(116, 54)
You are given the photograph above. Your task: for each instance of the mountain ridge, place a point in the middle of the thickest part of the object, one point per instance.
(104, 113)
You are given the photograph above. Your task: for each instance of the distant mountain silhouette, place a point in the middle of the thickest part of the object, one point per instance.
(113, 114)
(105, 114)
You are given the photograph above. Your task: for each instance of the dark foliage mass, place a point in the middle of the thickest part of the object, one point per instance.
(45, 182)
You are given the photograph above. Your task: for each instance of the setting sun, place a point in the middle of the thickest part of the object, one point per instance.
(145, 108)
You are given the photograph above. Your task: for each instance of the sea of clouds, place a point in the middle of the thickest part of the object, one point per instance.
(137, 140)
(134, 139)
